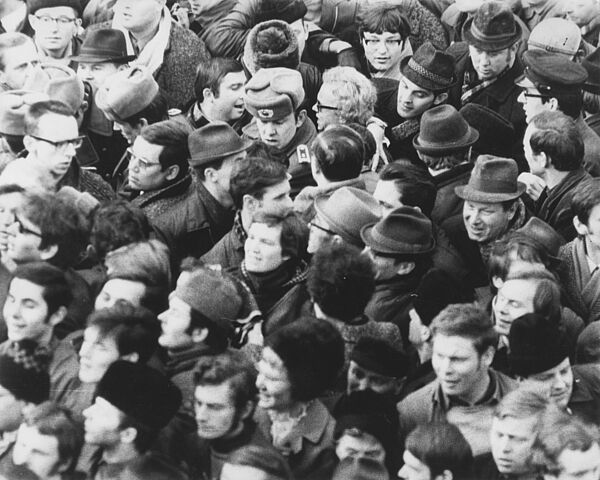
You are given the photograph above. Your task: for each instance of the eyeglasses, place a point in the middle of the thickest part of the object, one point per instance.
(47, 20)
(389, 43)
(75, 142)
(319, 106)
(142, 162)
(323, 229)
(24, 230)
(535, 95)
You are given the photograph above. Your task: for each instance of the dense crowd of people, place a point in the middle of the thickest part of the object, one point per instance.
(299, 239)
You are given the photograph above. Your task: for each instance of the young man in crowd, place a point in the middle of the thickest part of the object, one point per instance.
(273, 97)
(466, 389)
(554, 151)
(257, 185)
(132, 404)
(49, 442)
(18, 60)
(205, 214)
(219, 92)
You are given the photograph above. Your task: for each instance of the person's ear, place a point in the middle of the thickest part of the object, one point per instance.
(440, 98)
(208, 94)
(425, 333)
(58, 316)
(580, 227)
(553, 104)
(247, 410)
(250, 203)
(301, 117)
(128, 435)
(487, 357)
(49, 252)
(199, 335)
(404, 268)
(172, 172)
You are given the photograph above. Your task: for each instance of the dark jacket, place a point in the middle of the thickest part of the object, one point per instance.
(196, 119)
(167, 199)
(447, 203)
(299, 169)
(229, 251)
(316, 460)
(86, 181)
(501, 96)
(585, 399)
(554, 206)
(591, 142)
(195, 226)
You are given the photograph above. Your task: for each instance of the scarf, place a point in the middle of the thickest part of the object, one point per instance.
(287, 437)
(152, 55)
(468, 91)
(405, 130)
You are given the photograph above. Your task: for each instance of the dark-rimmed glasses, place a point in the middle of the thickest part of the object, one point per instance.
(24, 230)
(319, 106)
(142, 162)
(323, 229)
(48, 20)
(75, 142)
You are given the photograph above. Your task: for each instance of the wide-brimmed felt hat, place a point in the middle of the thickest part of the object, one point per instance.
(430, 68)
(493, 179)
(213, 142)
(347, 211)
(103, 45)
(592, 65)
(405, 231)
(443, 129)
(493, 27)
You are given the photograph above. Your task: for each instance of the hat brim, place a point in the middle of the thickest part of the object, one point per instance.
(391, 248)
(100, 59)
(491, 45)
(465, 142)
(204, 160)
(422, 81)
(467, 193)
(592, 88)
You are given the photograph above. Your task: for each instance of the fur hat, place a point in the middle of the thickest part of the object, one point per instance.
(271, 44)
(24, 372)
(140, 392)
(312, 352)
(274, 93)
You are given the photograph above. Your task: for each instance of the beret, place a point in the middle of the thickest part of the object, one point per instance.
(553, 72)
(274, 93)
(35, 5)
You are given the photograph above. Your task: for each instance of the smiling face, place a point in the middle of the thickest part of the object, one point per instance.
(485, 222)
(556, 382)
(413, 100)
(273, 383)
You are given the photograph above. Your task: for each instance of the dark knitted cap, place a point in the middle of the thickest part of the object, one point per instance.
(380, 357)
(140, 392)
(536, 344)
(24, 372)
(312, 352)
(369, 412)
(35, 5)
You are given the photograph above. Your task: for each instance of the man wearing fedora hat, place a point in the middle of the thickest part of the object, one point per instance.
(426, 78)
(491, 209)
(487, 63)
(443, 144)
(553, 82)
(401, 246)
(554, 151)
(206, 214)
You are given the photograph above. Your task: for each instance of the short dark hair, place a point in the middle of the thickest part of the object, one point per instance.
(341, 281)
(172, 135)
(339, 152)
(210, 75)
(252, 176)
(134, 329)
(261, 458)
(586, 196)
(219, 334)
(294, 232)
(156, 111)
(570, 103)
(557, 136)
(56, 290)
(233, 367)
(414, 185)
(380, 18)
(57, 421)
(469, 321)
(38, 109)
(60, 224)
(117, 223)
(441, 446)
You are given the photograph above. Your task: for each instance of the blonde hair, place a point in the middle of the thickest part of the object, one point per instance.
(356, 94)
